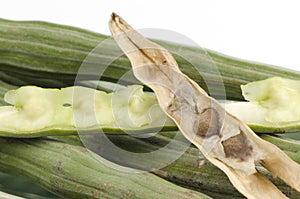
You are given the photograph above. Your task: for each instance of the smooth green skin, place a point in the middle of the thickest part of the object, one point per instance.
(36, 111)
(71, 171)
(35, 52)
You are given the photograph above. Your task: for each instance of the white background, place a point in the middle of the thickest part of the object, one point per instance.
(258, 30)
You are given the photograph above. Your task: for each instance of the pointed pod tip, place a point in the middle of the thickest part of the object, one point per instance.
(113, 23)
(113, 16)
(118, 25)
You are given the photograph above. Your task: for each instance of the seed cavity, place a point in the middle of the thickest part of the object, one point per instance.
(238, 147)
(209, 123)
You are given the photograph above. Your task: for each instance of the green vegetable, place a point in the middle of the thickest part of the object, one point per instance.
(35, 111)
(73, 172)
(35, 52)
(65, 111)
(273, 105)
(191, 170)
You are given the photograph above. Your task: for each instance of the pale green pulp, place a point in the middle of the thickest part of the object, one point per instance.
(273, 105)
(35, 109)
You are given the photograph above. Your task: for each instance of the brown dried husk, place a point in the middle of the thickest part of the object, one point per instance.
(225, 141)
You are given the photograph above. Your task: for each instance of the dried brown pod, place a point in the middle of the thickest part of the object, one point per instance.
(225, 141)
